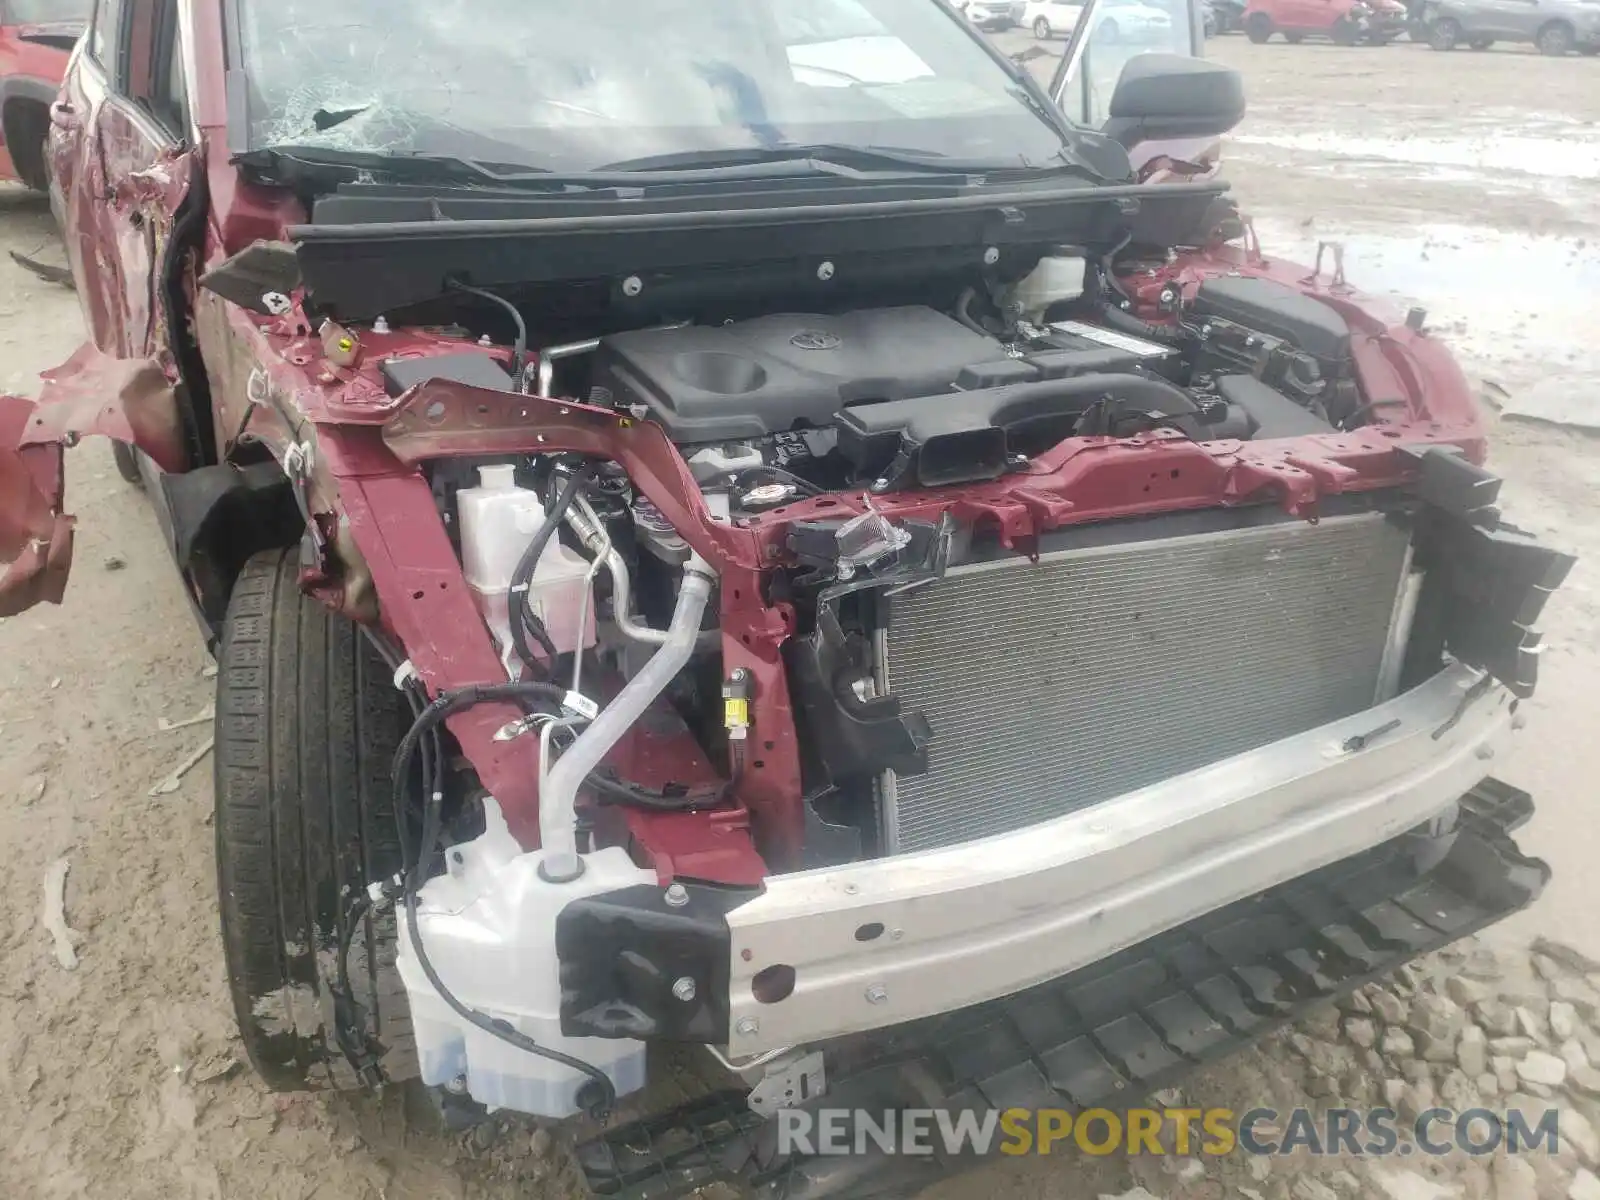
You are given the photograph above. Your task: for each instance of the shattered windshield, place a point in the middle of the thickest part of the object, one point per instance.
(568, 86)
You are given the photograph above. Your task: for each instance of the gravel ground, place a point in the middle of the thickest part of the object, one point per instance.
(1467, 182)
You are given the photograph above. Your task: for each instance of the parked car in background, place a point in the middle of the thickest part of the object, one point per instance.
(1052, 18)
(1132, 21)
(1347, 22)
(36, 38)
(1557, 27)
(1227, 14)
(993, 15)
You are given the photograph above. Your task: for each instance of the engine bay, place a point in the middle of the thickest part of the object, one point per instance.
(578, 575)
(777, 407)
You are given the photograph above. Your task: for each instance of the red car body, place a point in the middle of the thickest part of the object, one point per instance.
(1375, 22)
(387, 555)
(36, 38)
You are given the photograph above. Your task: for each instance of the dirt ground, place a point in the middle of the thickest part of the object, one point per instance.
(1465, 182)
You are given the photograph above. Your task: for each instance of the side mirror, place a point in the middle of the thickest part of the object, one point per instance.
(1161, 96)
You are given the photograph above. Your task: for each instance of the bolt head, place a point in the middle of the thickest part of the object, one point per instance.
(748, 1026)
(991, 255)
(825, 271)
(676, 896)
(457, 1086)
(877, 994)
(880, 485)
(632, 285)
(684, 989)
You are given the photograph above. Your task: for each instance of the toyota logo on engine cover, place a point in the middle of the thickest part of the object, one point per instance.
(815, 339)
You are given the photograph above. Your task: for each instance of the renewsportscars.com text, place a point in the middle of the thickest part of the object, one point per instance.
(1375, 1132)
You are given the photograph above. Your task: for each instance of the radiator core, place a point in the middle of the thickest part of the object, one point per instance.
(1053, 685)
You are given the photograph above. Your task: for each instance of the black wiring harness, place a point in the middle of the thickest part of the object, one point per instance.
(524, 624)
(597, 1097)
(423, 742)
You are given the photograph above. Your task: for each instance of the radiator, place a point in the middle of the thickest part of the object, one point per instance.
(1056, 684)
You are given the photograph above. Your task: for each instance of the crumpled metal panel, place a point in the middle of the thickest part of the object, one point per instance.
(1052, 686)
(35, 536)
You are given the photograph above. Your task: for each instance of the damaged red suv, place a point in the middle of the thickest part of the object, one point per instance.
(736, 522)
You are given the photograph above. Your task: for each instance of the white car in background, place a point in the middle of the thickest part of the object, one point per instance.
(992, 14)
(1052, 18)
(1132, 21)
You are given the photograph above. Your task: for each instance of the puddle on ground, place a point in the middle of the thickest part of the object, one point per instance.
(1515, 306)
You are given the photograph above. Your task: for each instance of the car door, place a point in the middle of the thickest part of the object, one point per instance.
(1523, 18)
(77, 175)
(1501, 18)
(119, 151)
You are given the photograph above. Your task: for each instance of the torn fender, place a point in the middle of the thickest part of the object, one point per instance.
(129, 400)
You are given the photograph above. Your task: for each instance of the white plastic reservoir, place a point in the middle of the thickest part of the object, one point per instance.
(489, 928)
(498, 521)
(1058, 278)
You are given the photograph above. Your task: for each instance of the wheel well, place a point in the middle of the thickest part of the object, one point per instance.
(26, 122)
(220, 517)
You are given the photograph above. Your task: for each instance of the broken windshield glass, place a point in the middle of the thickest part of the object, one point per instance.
(567, 87)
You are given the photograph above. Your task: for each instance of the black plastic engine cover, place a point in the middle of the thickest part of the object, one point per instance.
(768, 375)
(1280, 312)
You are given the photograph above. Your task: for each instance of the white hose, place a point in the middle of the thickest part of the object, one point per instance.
(558, 801)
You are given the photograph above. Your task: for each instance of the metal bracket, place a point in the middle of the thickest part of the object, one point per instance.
(788, 1082)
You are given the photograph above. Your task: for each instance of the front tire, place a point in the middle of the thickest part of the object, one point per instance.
(1445, 34)
(307, 723)
(127, 460)
(1258, 28)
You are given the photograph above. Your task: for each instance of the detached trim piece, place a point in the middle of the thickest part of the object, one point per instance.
(1118, 1030)
(1489, 581)
(985, 919)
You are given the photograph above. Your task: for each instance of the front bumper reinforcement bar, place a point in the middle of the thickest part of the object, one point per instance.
(1111, 1033)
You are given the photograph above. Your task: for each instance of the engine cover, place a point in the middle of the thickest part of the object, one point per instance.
(772, 374)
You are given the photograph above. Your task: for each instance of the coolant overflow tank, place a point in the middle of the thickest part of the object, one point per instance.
(488, 927)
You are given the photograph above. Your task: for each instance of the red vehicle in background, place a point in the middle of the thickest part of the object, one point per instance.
(36, 38)
(1375, 22)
